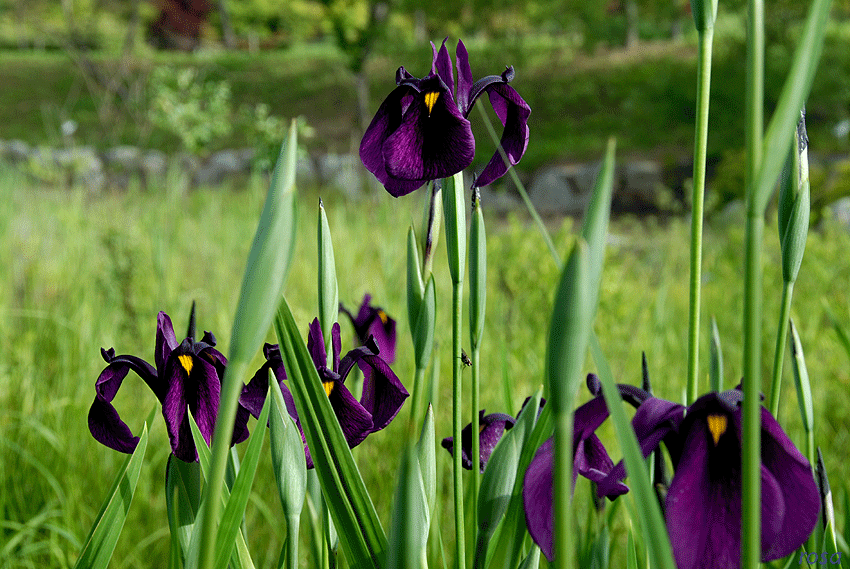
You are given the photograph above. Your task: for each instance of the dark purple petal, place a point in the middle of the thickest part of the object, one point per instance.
(336, 343)
(443, 65)
(383, 393)
(464, 78)
(374, 321)
(166, 342)
(587, 419)
(703, 505)
(592, 461)
(799, 492)
(653, 422)
(386, 121)
(428, 146)
(105, 424)
(316, 345)
(490, 430)
(355, 420)
(537, 498)
(513, 111)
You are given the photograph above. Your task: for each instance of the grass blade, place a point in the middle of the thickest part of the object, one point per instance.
(328, 287)
(100, 543)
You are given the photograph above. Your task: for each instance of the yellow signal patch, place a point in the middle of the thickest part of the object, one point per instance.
(717, 426)
(329, 386)
(186, 361)
(431, 100)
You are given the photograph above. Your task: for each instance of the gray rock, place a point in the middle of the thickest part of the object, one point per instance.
(154, 164)
(17, 151)
(222, 164)
(499, 201)
(306, 173)
(639, 181)
(564, 188)
(126, 158)
(343, 172)
(841, 212)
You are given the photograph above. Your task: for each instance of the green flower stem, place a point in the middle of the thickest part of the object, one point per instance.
(751, 440)
(292, 525)
(779, 352)
(454, 210)
(751, 443)
(457, 422)
(418, 388)
(706, 39)
(476, 441)
(562, 507)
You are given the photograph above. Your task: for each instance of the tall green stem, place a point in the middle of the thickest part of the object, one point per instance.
(476, 441)
(457, 421)
(706, 39)
(779, 352)
(751, 443)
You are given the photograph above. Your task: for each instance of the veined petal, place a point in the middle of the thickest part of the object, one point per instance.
(513, 111)
(429, 145)
(443, 65)
(166, 341)
(336, 343)
(799, 492)
(537, 498)
(386, 121)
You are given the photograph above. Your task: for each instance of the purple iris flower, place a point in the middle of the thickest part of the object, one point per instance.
(490, 429)
(421, 131)
(383, 393)
(590, 459)
(187, 376)
(703, 505)
(373, 321)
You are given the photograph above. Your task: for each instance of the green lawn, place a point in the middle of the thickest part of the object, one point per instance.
(83, 271)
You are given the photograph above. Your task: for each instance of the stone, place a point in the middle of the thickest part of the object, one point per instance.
(343, 172)
(154, 164)
(638, 182)
(124, 158)
(562, 189)
(223, 164)
(17, 151)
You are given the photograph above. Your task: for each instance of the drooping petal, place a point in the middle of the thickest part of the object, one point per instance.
(490, 430)
(105, 424)
(385, 122)
(383, 393)
(166, 341)
(374, 321)
(355, 420)
(799, 492)
(513, 111)
(592, 461)
(336, 343)
(430, 143)
(464, 79)
(537, 498)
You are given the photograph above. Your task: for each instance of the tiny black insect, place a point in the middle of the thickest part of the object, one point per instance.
(464, 358)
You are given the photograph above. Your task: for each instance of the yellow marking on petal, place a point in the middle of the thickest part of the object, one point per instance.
(186, 362)
(329, 386)
(431, 100)
(717, 426)
(383, 316)
(481, 428)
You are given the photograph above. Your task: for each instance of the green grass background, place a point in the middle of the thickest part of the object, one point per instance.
(83, 271)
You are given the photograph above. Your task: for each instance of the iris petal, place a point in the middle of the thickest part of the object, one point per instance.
(537, 498)
(464, 78)
(443, 65)
(166, 341)
(383, 393)
(490, 429)
(513, 111)
(429, 146)
(355, 420)
(799, 491)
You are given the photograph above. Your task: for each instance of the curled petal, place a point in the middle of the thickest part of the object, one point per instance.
(537, 498)
(513, 111)
(383, 393)
(443, 66)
